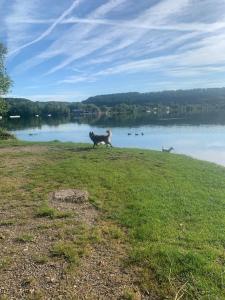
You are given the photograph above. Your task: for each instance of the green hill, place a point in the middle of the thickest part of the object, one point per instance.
(195, 96)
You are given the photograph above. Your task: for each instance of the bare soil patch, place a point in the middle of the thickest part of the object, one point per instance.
(24, 149)
(102, 274)
(28, 271)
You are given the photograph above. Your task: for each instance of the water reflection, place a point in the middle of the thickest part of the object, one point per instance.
(198, 135)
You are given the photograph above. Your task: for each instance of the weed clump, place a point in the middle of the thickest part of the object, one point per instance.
(25, 238)
(65, 250)
(4, 135)
(46, 211)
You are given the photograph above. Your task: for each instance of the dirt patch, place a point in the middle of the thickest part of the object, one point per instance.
(29, 149)
(102, 274)
(28, 271)
(83, 212)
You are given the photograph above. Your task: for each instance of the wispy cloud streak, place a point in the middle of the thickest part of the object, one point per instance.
(49, 29)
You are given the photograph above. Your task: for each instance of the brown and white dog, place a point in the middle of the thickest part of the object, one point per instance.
(101, 139)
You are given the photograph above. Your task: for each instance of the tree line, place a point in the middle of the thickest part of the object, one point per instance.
(182, 101)
(191, 96)
(28, 108)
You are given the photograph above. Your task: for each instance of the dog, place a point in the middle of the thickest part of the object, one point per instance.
(167, 150)
(101, 139)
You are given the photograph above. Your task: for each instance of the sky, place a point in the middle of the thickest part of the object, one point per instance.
(68, 50)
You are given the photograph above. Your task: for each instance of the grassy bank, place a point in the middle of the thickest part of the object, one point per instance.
(165, 210)
(4, 135)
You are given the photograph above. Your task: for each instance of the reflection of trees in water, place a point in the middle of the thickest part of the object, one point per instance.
(23, 123)
(122, 120)
(151, 119)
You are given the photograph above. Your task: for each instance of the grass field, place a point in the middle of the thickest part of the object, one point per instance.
(160, 215)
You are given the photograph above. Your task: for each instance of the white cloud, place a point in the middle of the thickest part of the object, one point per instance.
(163, 11)
(73, 41)
(206, 58)
(63, 97)
(130, 32)
(159, 12)
(50, 28)
(134, 24)
(18, 34)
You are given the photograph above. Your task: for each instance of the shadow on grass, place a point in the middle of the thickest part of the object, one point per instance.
(86, 149)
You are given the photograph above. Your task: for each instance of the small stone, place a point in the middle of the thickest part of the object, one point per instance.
(52, 264)
(32, 291)
(70, 195)
(101, 263)
(51, 279)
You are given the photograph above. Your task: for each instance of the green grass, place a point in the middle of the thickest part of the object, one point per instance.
(170, 206)
(46, 211)
(40, 259)
(129, 295)
(25, 238)
(65, 250)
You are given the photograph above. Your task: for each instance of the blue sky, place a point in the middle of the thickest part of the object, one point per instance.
(70, 50)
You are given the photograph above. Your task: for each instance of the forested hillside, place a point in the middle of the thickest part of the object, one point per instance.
(25, 107)
(185, 101)
(195, 96)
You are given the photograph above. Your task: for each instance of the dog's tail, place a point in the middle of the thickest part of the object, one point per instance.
(109, 132)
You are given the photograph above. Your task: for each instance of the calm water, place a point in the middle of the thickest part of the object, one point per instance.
(199, 138)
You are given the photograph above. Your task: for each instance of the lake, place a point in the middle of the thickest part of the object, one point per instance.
(199, 136)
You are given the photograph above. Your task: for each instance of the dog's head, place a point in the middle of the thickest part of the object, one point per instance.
(91, 134)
